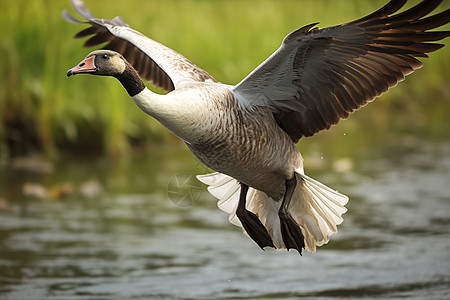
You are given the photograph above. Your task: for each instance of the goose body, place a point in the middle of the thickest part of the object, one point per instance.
(247, 133)
(224, 137)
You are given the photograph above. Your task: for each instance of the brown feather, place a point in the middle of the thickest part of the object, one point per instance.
(144, 64)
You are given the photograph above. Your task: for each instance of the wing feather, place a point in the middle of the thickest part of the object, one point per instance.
(319, 76)
(162, 66)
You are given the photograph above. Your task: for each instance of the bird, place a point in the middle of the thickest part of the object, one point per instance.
(247, 133)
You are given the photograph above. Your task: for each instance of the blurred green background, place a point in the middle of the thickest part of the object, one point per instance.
(43, 111)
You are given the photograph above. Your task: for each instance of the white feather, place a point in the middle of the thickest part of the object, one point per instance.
(315, 207)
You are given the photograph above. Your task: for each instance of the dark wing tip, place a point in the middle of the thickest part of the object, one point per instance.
(386, 10)
(100, 34)
(366, 65)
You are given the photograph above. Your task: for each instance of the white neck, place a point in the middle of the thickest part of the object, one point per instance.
(175, 114)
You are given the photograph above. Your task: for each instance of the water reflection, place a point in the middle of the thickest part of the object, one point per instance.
(394, 242)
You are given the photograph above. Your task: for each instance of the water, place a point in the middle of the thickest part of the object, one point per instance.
(128, 240)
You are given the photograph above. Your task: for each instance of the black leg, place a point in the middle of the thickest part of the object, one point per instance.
(251, 223)
(290, 231)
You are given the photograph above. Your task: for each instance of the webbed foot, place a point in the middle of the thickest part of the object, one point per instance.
(251, 223)
(291, 233)
(255, 229)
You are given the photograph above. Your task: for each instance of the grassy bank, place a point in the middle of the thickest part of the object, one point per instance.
(42, 110)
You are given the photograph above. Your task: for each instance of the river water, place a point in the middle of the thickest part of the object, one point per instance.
(87, 230)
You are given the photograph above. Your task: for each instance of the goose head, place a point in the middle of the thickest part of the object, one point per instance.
(110, 63)
(100, 62)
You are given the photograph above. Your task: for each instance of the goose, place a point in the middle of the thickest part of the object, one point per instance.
(247, 133)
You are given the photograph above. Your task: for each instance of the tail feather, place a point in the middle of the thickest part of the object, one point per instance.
(315, 207)
(226, 189)
(327, 205)
(336, 200)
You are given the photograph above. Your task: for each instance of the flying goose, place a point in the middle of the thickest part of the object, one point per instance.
(247, 133)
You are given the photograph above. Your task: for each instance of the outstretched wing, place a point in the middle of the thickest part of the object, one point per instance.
(319, 76)
(160, 65)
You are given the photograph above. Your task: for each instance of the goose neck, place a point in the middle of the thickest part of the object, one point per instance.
(131, 81)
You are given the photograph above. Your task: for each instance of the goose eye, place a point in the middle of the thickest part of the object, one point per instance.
(105, 56)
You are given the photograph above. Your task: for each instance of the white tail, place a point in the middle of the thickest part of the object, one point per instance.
(315, 207)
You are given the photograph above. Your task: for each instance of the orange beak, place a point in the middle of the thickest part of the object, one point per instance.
(87, 65)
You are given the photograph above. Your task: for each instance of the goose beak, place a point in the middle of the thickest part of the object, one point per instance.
(87, 65)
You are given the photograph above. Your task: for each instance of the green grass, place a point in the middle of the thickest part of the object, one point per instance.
(42, 110)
